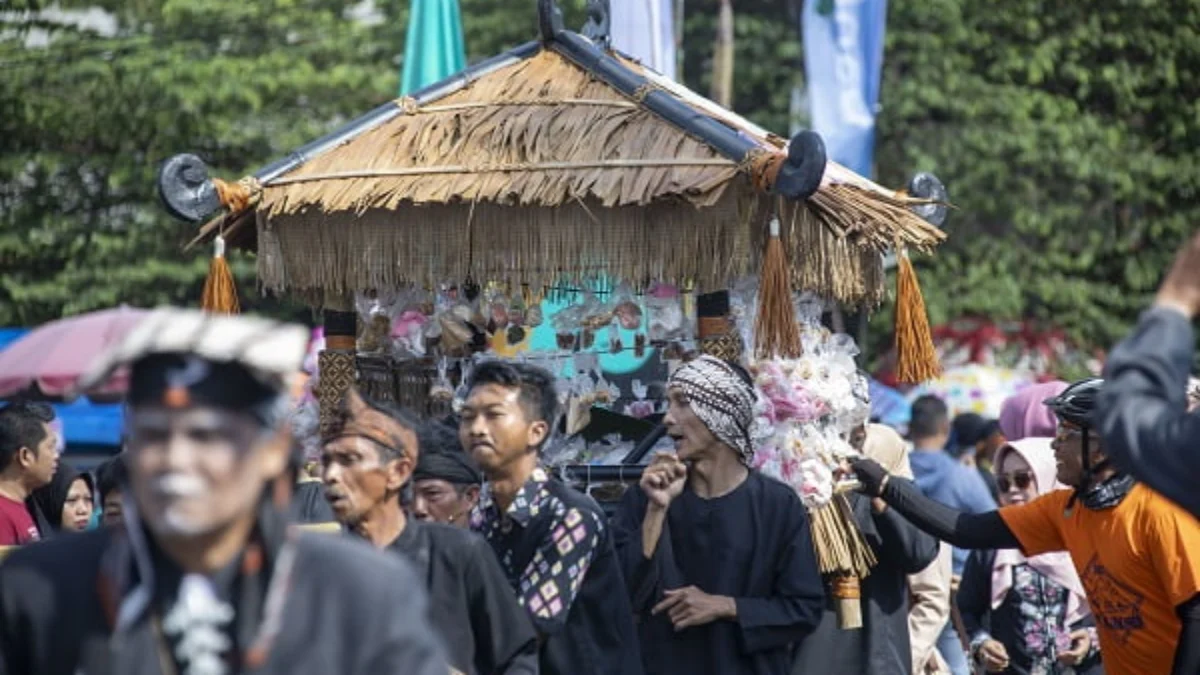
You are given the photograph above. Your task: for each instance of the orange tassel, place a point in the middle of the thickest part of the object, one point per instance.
(916, 357)
(776, 333)
(220, 294)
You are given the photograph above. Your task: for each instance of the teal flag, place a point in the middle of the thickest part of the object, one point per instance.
(434, 49)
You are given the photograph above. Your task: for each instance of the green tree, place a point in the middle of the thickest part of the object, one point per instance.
(1065, 133)
(86, 119)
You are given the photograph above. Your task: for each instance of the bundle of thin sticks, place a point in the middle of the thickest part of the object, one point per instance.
(840, 546)
(844, 558)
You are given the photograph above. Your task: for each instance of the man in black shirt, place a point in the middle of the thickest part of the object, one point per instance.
(205, 576)
(719, 558)
(368, 456)
(552, 541)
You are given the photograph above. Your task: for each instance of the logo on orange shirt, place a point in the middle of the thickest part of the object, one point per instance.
(1117, 607)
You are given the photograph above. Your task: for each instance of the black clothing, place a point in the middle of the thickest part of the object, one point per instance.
(1142, 408)
(556, 550)
(338, 616)
(964, 530)
(472, 607)
(881, 646)
(754, 545)
(309, 505)
(1004, 623)
(1187, 654)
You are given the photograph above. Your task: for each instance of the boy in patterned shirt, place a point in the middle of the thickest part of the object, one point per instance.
(552, 541)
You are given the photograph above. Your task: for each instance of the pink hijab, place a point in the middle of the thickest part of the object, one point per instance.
(1023, 414)
(1056, 566)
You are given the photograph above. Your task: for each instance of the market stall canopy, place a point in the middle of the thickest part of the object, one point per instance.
(560, 159)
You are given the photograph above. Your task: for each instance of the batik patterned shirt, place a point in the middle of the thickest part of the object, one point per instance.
(545, 546)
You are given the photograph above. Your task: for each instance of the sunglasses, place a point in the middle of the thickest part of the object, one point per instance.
(1021, 479)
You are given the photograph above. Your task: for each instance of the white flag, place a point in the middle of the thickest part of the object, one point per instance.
(645, 30)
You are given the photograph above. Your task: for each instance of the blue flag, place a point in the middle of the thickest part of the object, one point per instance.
(843, 62)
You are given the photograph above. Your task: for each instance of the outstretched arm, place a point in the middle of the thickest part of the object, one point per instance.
(964, 530)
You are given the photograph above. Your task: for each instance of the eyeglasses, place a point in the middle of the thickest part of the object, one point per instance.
(1022, 479)
(1065, 433)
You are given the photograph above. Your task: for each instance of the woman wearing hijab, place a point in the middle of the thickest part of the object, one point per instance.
(65, 504)
(1024, 414)
(1027, 615)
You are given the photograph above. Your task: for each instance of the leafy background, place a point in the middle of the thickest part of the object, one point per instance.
(1065, 132)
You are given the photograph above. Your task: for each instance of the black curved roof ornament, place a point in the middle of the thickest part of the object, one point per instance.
(801, 173)
(927, 186)
(185, 188)
(550, 20)
(599, 24)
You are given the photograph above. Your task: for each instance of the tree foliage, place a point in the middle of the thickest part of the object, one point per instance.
(1066, 133)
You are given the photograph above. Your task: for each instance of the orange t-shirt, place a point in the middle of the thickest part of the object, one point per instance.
(1138, 561)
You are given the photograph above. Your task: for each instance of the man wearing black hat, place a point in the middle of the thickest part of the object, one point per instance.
(367, 458)
(205, 577)
(446, 481)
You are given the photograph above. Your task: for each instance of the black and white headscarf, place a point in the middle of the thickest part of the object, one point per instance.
(722, 398)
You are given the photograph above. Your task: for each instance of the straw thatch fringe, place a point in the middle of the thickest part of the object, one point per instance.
(301, 254)
(539, 171)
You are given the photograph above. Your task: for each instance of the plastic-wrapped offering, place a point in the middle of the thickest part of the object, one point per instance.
(375, 312)
(626, 308)
(807, 408)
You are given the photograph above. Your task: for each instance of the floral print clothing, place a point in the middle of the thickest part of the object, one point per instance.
(1030, 622)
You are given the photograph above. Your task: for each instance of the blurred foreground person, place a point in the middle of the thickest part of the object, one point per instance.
(553, 542)
(111, 480)
(447, 481)
(881, 646)
(205, 578)
(1145, 409)
(368, 457)
(1136, 553)
(718, 558)
(28, 459)
(1021, 614)
(65, 504)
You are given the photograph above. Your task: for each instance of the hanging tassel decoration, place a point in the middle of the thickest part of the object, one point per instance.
(916, 357)
(776, 333)
(220, 294)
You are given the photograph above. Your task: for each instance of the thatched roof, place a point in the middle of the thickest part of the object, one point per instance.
(540, 171)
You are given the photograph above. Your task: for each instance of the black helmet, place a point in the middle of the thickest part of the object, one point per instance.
(1077, 402)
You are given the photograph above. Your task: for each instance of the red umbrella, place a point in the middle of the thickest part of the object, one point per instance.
(49, 359)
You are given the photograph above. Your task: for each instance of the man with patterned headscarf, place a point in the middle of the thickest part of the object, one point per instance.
(205, 577)
(718, 558)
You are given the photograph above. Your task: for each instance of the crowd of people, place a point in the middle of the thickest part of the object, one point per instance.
(1059, 539)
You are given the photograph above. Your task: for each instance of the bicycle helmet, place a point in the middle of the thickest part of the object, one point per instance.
(1076, 404)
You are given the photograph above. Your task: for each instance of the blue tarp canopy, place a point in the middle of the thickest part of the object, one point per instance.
(84, 422)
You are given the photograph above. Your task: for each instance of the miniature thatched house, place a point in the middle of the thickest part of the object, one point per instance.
(557, 160)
